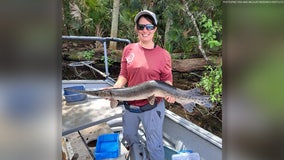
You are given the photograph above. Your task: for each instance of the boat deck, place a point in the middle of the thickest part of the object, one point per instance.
(84, 121)
(82, 143)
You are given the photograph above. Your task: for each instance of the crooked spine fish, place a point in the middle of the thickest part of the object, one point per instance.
(151, 89)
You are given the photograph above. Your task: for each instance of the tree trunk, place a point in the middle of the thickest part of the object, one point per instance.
(114, 23)
(189, 65)
(167, 29)
(196, 28)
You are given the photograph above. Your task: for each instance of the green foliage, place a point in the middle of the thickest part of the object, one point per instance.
(100, 13)
(180, 41)
(87, 17)
(182, 36)
(66, 16)
(88, 55)
(211, 82)
(179, 36)
(210, 31)
(109, 60)
(93, 17)
(126, 25)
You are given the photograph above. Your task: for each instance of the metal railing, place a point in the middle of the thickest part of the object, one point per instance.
(104, 41)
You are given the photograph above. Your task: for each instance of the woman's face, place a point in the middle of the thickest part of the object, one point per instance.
(145, 34)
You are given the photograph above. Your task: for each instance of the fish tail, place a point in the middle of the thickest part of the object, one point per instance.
(204, 101)
(189, 106)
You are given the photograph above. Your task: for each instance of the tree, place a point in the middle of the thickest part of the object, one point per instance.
(114, 23)
(196, 28)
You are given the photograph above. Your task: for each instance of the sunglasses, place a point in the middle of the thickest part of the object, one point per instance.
(148, 26)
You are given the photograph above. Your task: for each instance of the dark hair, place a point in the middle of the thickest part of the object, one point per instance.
(149, 18)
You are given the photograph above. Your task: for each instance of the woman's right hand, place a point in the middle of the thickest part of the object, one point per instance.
(110, 87)
(121, 82)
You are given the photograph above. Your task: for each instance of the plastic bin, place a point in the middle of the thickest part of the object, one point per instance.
(108, 146)
(169, 152)
(186, 156)
(71, 97)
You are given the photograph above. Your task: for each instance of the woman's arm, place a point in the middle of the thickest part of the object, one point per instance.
(169, 98)
(121, 82)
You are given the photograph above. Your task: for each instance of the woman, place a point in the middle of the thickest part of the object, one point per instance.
(144, 61)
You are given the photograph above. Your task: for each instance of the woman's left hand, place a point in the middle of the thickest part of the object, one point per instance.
(170, 99)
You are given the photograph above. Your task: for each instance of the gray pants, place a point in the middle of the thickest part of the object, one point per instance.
(152, 122)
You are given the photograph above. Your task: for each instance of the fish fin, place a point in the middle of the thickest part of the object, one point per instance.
(113, 103)
(204, 101)
(189, 106)
(152, 99)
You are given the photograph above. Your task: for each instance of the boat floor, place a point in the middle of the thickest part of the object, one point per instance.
(82, 143)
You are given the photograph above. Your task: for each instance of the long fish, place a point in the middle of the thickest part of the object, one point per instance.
(149, 90)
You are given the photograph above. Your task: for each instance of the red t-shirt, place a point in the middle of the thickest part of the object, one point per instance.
(139, 64)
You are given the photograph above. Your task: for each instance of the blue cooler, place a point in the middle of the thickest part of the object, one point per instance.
(108, 146)
(71, 97)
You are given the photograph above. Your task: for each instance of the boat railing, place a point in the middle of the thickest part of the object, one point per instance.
(104, 41)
